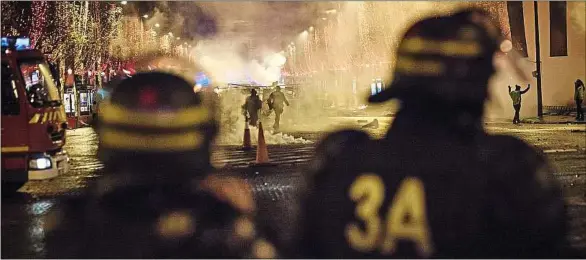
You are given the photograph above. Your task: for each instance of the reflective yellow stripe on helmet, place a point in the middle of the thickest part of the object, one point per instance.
(114, 114)
(409, 66)
(154, 142)
(460, 48)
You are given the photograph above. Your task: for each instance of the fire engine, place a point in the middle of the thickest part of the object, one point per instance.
(33, 117)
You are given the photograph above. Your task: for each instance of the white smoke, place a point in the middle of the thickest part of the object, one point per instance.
(222, 59)
(237, 137)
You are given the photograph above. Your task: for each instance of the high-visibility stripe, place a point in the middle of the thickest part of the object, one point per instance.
(153, 142)
(61, 116)
(35, 119)
(45, 118)
(409, 66)
(55, 116)
(417, 45)
(113, 114)
(15, 149)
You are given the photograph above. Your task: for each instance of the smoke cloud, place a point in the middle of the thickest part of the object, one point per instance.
(343, 53)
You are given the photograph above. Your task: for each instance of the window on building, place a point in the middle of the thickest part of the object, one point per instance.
(517, 24)
(558, 33)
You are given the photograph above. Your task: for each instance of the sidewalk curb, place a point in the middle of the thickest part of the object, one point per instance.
(555, 123)
(564, 150)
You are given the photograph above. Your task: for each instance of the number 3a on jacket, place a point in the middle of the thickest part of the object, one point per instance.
(406, 216)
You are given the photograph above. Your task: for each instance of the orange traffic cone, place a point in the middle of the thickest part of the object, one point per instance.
(262, 153)
(246, 143)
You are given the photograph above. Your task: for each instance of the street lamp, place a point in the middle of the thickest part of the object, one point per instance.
(146, 16)
(157, 25)
(506, 46)
(538, 63)
(124, 2)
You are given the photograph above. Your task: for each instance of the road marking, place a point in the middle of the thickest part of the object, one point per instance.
(576, 201)
(560, 150)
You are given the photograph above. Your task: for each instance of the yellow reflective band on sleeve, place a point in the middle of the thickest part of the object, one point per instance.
(35, 118)
(15, 149)
(445, 48)
(113, 114)
(154, 142)
(409, 66)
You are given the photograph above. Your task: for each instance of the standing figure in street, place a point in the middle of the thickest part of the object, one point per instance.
(277, 101)
(158, 197)
(516, 97)
(439, 185)
(579, 97)
(251, 107)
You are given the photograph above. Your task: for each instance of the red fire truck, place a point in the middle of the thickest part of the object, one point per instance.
(33, 118)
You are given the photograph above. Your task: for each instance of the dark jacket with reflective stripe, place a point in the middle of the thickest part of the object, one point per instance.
(485, 195)
(138, 221)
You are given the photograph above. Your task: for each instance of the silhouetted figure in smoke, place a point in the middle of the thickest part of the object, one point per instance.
(516, 97)
(251, 107)
(158, 197)
(579, 97)
(438, 185)
(277, 101)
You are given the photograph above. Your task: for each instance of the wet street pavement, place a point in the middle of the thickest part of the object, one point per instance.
(276, 188)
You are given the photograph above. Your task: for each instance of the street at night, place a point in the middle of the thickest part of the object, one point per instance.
(293, 129)
(275, 188)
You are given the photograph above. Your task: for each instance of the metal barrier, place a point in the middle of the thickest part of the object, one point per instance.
(560, 110)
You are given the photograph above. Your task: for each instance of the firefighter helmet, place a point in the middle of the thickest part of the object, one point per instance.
(447, 57)
(155, 121)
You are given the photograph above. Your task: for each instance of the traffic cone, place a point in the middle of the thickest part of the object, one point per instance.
(262, 153)
(246, 145)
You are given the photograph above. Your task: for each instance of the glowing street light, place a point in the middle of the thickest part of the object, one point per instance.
(310, 28)
(146, 16)
(157, 25)
(124, 2)
(506, 46)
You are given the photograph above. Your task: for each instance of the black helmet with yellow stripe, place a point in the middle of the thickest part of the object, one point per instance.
(447, 58)
(155, 123)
